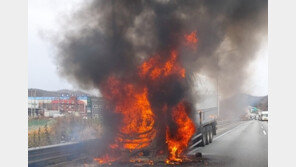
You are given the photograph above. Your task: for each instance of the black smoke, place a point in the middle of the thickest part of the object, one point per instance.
(113, 37)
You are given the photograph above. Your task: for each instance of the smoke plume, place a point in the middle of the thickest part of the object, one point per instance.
(106, 38)
(111, 36)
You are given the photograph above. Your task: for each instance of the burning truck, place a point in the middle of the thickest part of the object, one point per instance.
(142, 56)
(153, 121)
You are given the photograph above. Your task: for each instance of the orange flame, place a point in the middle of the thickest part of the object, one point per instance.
(178, 141)
(154, 68)
(105, 159)
(191, 38)
(137, 126)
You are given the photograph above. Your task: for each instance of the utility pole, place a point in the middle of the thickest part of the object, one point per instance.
(59, 103)
(218, 105)
(34, 112)
(33, 104)
(218, 70)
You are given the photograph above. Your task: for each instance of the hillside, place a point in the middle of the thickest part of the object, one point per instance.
(235, 106)
(63, 92)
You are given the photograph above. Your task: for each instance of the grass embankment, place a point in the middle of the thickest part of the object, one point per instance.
(34, 124)
(64, 129)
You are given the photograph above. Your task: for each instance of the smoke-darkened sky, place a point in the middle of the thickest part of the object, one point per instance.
(44, 19)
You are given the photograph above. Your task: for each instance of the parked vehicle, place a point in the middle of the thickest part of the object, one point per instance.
(263, 116)
(257, 117)
(253, 116)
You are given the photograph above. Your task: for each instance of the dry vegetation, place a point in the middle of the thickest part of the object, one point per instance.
(65, 129)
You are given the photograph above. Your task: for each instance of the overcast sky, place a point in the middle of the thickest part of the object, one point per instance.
(43, 19)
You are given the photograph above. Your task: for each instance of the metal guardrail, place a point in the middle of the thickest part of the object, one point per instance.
(225, 122)
(51, 146)
(64, 152)
(54, 154)
(59, 153)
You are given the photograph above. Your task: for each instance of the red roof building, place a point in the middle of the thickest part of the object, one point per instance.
(70, 105)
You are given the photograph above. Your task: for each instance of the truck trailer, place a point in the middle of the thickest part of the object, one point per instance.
(206, 127)
(205, 116)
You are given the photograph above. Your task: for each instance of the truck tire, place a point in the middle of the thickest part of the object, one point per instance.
(211, 135)
(214, 129)
(204, 138)
(208, 135)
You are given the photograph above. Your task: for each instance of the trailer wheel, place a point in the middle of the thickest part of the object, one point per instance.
(208, 135)
(211, 135)
(204, 138)
(214, 129)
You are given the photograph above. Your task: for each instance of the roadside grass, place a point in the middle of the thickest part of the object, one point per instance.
(34, 124)
(63, 129)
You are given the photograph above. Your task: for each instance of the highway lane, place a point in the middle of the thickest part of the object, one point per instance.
(245, 145)
(264, 125)
(237, 144)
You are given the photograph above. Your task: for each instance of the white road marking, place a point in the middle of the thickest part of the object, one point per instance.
(264, 132)
(195, 150)
(264, 128)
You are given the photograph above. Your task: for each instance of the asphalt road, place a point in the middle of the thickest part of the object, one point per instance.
(243, 144)
(237, 144)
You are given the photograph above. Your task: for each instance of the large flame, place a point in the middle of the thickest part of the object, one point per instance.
(137, 124)
(130, 99)
(178, 140)
(154, 68)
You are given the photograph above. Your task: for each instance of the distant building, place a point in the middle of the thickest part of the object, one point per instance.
(58, 106)
(37, 106)
(69, 105)
(35, 112)
(97, 106)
